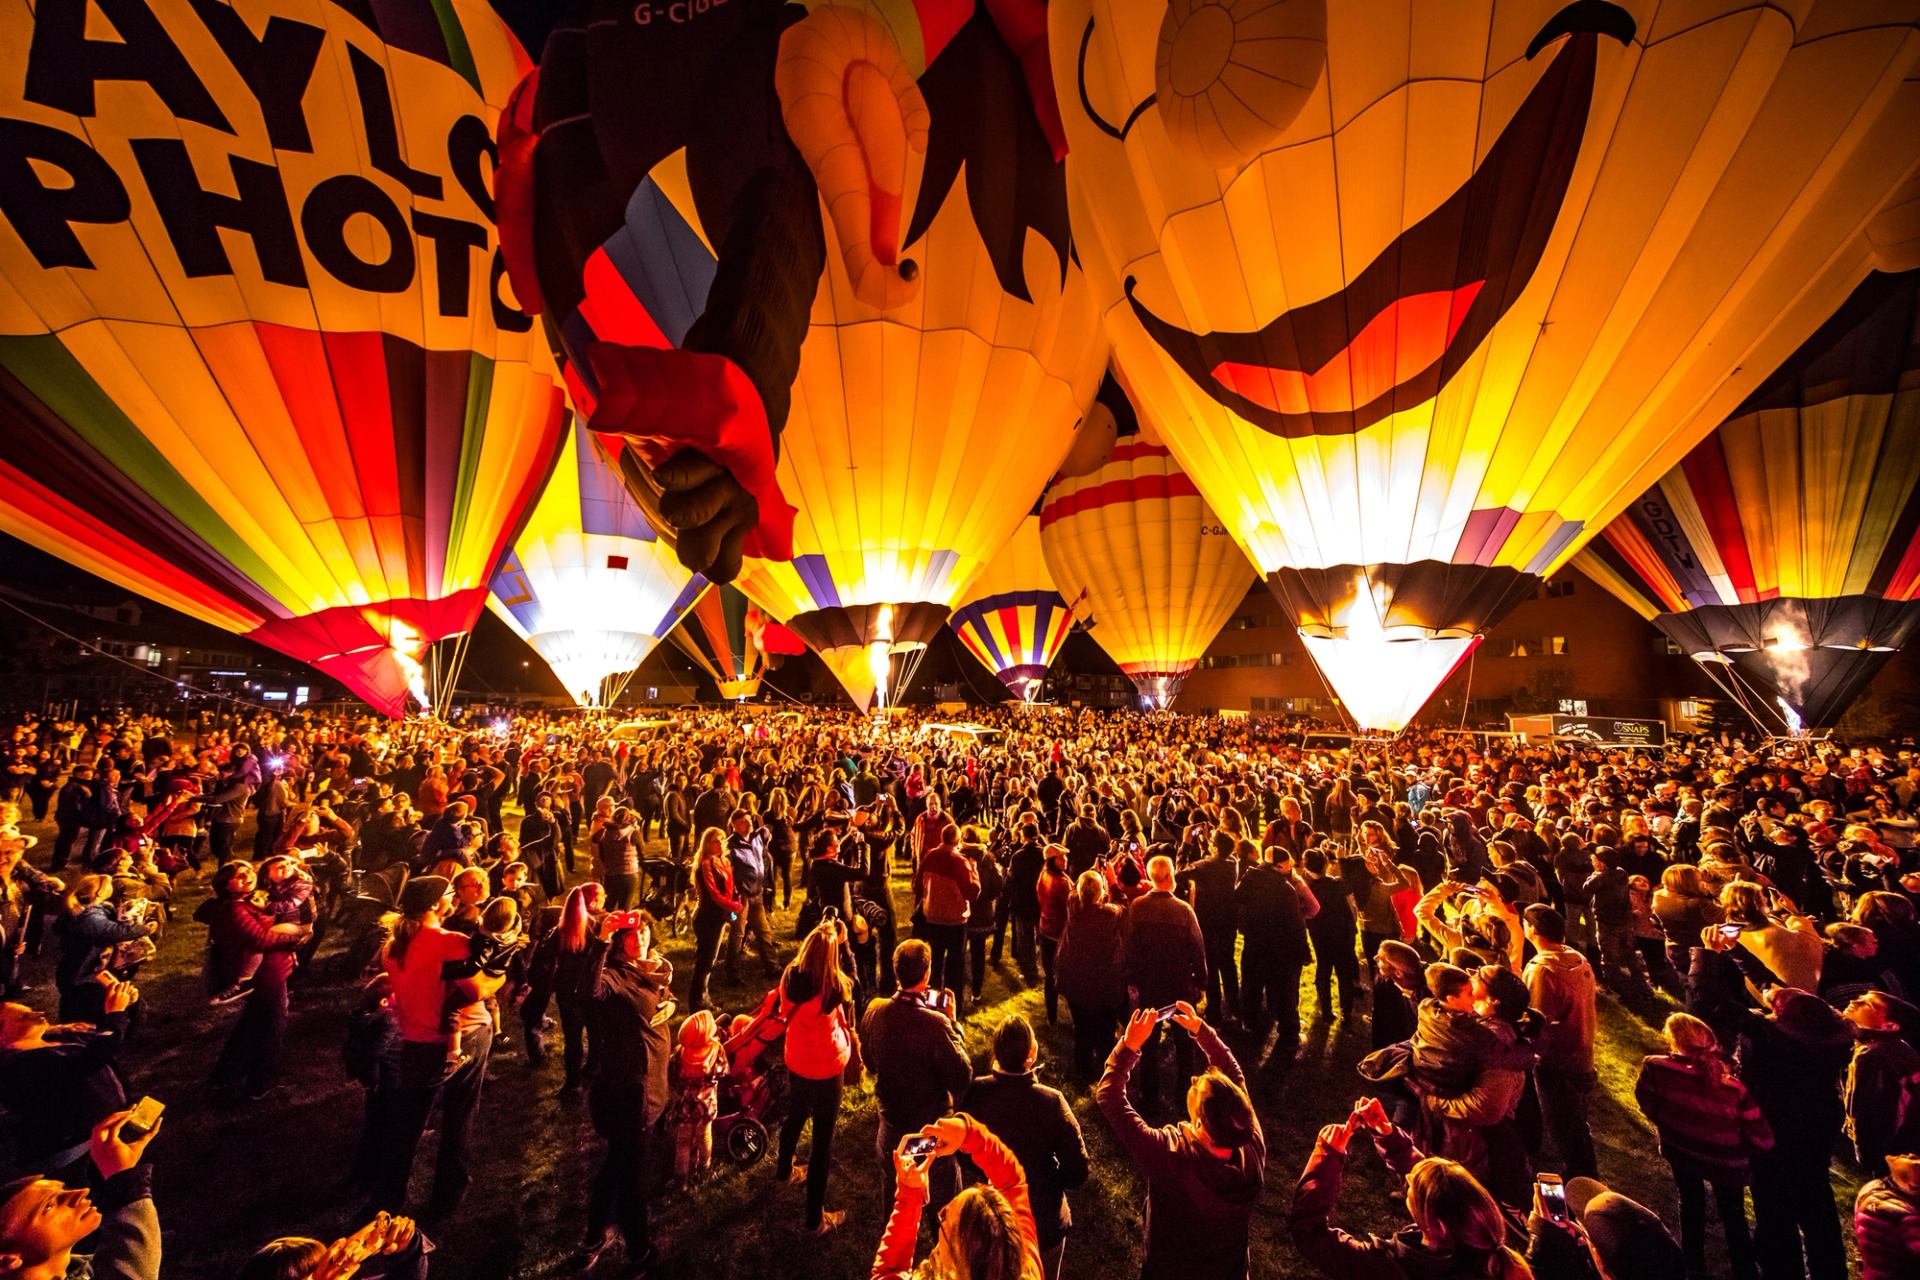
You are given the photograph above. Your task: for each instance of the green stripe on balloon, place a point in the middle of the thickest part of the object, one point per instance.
(459, 53)
(45, 367)
(473, 440)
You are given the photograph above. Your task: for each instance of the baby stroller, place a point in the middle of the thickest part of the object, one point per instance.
(754, 1092)
(671, 898)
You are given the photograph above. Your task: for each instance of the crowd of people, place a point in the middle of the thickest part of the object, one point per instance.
(1166, 886)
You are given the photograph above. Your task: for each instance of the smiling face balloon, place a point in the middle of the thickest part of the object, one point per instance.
(1421, 292)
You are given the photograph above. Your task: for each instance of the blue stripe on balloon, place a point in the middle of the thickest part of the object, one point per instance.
(605, 505)
(818, 579)
(681, 603)
(663, 261)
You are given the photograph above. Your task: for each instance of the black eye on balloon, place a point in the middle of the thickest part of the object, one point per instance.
(1597, 17)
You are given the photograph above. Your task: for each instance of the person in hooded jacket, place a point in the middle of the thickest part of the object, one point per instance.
(1039, 1127)
(1886, 1221)
(1204, 1175)
(1791, 1060)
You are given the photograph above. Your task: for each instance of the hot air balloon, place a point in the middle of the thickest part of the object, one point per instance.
(1011, 618)
(1141, 559)
(730, 639)
(1421, 296)
(588, 583)
(1784, 551)
(256, 358)
(843, 370)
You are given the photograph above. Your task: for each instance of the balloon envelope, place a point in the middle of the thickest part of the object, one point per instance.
(1787, 543)
(588, 583)
(1421, 296)
(255, 360)
(1012, 618)
(1143, 562)
(723, 634)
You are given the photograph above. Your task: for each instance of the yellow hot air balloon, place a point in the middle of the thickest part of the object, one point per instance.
(1784, 551)
(1012, 618)
(1421, 294)
(256, 361)
(812, 262)
(589, 584)
(1142, 561)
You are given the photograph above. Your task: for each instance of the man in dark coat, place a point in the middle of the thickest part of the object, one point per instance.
(1039, 1127)
(1274, 905)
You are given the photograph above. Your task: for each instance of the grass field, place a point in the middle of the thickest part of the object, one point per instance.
(231, 1177)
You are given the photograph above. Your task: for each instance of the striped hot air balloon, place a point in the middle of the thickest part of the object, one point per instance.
(1142, 560)
(1011, 618)
(256, 358)
(589, 584)
(1785, 548)
(726, 635)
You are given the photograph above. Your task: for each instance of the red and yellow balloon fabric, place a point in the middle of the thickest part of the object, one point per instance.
(1787, 543)
(589, 584)
(730, 639)
(824, 251)
(256, 357)
(1143, 562)
(1012, 618)
(1422, 293)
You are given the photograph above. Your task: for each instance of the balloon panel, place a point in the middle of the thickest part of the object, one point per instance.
(1142, 561)
(1012, 618)
(256, 357)
(588, 583)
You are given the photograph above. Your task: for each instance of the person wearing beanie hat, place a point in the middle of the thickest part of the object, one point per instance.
(1628, 1240)
(416, 954)
(1791, 1060)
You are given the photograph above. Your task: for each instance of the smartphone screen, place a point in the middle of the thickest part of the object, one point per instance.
(1553, 1196)
(1164, 1014)
(920, 1147)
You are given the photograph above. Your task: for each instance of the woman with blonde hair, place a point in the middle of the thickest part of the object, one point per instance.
(1089, 974)
(985, 1232)
(1709, 1129)
(720, 905)
(1775, 934)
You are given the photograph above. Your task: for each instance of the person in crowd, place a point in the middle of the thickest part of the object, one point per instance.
(1038, 1126)
(986, 1232)
(386, 1248)
(88, 933)
(58, 1082)
(1164, 958)
(1886, 1220)
(1783, 947)
(43, 1221)
(944, 884)
(1710, 1132)
(416, 953)
(820, 1050)
(626, 988)
(1203, 1175)
(1334, 931)
(1791, 1058)
(1208, 886)
(1563, 985)
(1090, 976)
(1883, 1080)
(250, 956)
(911, 1043)
(616, 858)
(557, 973)
(699, 1065)
(25, 892)
(1276, 908)
(1457, 1231)
(1055, 889)
(720, 906)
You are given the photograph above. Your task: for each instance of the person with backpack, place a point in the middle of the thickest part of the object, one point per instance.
(1710, 1129)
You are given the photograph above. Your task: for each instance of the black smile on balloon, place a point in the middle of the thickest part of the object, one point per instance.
(1393, 338)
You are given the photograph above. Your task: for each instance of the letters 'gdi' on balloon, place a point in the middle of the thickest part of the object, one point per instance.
(813, 256)
(1141, 559)
(1422, 294)
(589, 584)
(256, 359)
(1785, 548)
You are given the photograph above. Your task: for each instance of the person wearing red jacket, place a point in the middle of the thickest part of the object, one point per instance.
(945, 885)
(719, 906)
(986, 1233)
(243, 939)
(1055, 891)
(821, 1052)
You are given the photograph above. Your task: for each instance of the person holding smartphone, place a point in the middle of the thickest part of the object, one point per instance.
(43, 1220)
(919, 1060)
(1204, 1175)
